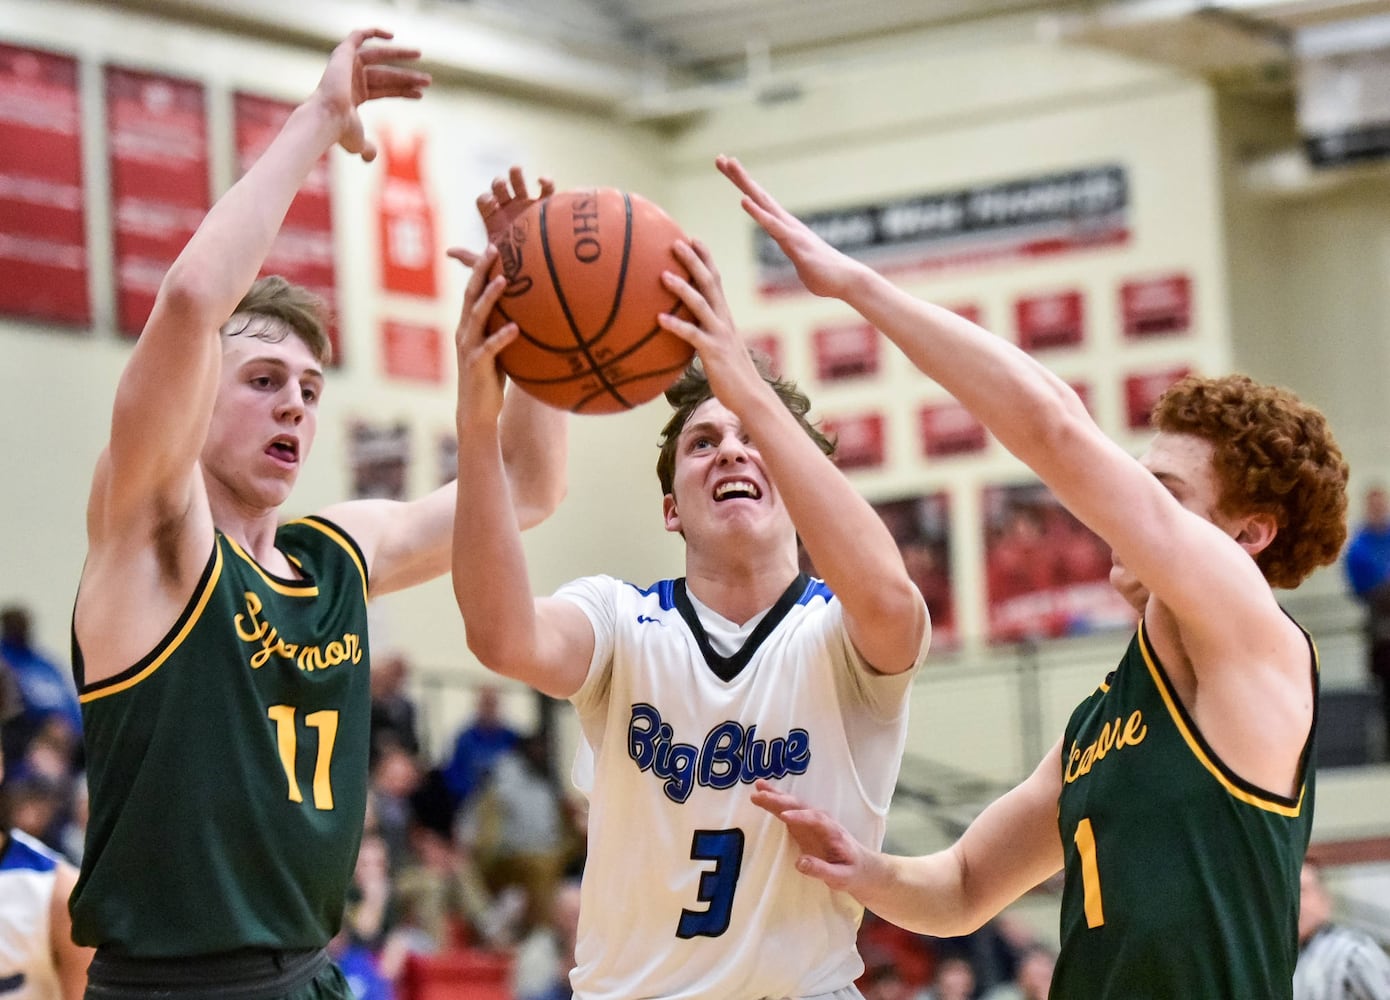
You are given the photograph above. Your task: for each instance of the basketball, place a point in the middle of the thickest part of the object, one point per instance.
(583, 272)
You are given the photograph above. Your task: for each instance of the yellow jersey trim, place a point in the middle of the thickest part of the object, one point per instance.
(343, 542)
(1198, 751)
(289, 589)
(167, 651)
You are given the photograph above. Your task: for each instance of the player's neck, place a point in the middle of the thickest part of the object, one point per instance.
(739, 591)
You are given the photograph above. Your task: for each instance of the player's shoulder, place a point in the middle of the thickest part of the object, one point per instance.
(25, 853)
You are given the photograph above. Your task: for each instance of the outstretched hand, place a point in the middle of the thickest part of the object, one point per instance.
(481, 382)
(356, 74)
(829, 853)
(501, 205)
(821, 268)
(709, 327)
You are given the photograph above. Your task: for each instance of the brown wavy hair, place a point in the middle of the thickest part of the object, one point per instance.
(301, 311)
(692, 389)
(1273, 454)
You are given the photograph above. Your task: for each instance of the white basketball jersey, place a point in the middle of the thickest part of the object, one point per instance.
(689, 889)
(27, 872)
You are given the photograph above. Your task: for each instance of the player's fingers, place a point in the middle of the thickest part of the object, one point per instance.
(693, 298)
(518, 179)
(477, 281)
(392, 81)
(374, 55)
(362, 34)
(547, 187)
(486, 203)
(685, 330)
(814, 867)
(501, 191)
(464, 256)
(497, 341)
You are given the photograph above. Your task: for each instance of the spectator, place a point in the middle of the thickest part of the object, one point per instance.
(1033, 978)
(954, 980)
(45, 688)
(1334, 962)
(443, 900)
(395, 777)
(393, 712)
(546, 957)
(520, 831)
(478, 746)
(1368, 571)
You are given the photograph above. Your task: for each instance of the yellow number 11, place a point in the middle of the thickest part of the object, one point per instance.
(1085, 839)
(326, 722)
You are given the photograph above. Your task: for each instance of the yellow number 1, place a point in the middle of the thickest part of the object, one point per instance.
(1085, 839)
(326, 722)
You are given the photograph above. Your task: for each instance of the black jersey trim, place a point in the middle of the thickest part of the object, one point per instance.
(343, 539)
(305, 587)
(152, 661)
(1234, 784)
(726, 668)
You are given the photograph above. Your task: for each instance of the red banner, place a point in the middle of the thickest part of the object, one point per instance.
(845, 350)
(406, 220)
(413, 351)
(1156, 306)
(921, 525)
(859, 440)
(1142, 391)
(158, 138)
(303, 252)
(770, 345)
(43, 235)
(1057, 319)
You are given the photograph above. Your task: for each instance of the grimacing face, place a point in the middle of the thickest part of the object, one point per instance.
(720, 481)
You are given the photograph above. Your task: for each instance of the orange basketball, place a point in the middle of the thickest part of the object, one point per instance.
(583, 273)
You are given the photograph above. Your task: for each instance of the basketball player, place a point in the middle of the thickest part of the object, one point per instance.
(38, 960)
(1179, 801)
(222, 657)
(689, 689)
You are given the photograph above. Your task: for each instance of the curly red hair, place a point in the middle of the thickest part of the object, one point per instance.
(1273, 454)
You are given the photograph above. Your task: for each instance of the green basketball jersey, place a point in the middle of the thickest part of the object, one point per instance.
(1181, 878)
(228, 768)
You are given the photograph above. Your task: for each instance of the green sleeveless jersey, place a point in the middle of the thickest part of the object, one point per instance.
(228, 768)
(1181, 879)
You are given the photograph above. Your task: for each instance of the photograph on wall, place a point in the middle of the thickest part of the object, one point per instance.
(43, 230)
(1055, 319)
(1046, 574)
(379, 455)
(157, 135)
(303, 251)
(859, 439)
(845, 350)
(1142, 390)
(921, 525)
(1154, 307)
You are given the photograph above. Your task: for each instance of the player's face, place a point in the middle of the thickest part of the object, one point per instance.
(720, 486)
(265, 417)
(1183, 464)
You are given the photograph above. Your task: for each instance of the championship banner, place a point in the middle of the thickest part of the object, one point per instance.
(406, 219)
(1142, 391)
(859, 440)
(1057, 319)
(949, 429)
(1155, 306)
(303, 251)
(43, 234)
(1022, 218)
(157, 134)
(379, 459)
(845, 350)
(412, 351)
(1046, 574)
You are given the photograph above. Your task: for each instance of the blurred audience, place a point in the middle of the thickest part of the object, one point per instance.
(1032, 978)
(478, 746)
(393, 711)
(1368, 572)
(545, 958)
(48, 696)
(1335, 962)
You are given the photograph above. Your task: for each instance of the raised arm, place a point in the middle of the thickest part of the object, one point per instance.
(852, 549)
(165, 396)
(1012, 846)
(408, 543)
(543, 642)
(1195, 569)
